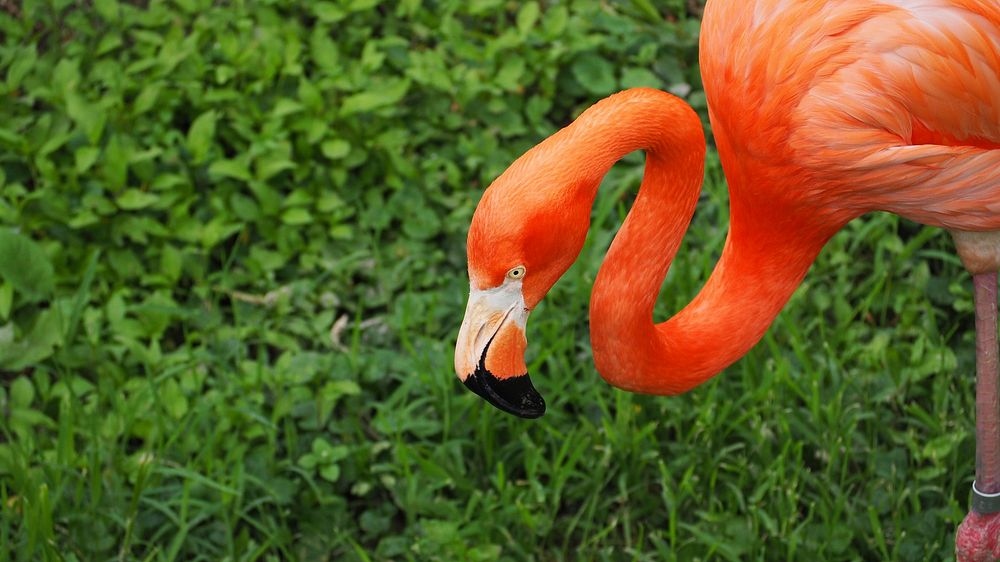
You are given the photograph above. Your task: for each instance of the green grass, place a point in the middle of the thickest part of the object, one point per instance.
(233, 271)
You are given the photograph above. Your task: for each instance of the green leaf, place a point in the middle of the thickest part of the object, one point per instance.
(930, 473)
(201, 135)
(147, 98)
(285, 107)
(11, 139)
(373, 522)
(307, 461)
(271, 166)
(310, 95)
(335, 149)
(6, 300)
(230, 169)
(22, 393)
(83, 219)
(325, 53)
(649, 10)
(21, 65)
(361, 5)
(595, 74)
(527, 16)
(509, 76)
(267, 260)
(171, 262)
(634, 77)
(334, 390)
(328, 12)
(330, 472)
(245, 208)
(25, 266)
(114, 165)
(90, 117)
(299, 197)
(66, 75)
(25, 420)
(341, 232)
(6, 455)
(423, 223)
(381, 96)
(328, 202)
(555, 19)
(39, 344)
(321, 446)
(939, 447)
(85, 156)
(339, 453)
(108, 43)
(173, 399)
(108, 9)
(296, 216)
(217, 229)
(134, 199)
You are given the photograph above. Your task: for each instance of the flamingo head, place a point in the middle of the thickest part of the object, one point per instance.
(528, 229)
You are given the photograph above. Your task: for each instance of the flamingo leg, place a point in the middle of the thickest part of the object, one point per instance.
(978, 538)
(987, 393)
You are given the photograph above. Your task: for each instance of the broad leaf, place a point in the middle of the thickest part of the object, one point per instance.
(24, 265)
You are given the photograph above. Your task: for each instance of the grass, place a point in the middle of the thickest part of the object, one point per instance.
(228, 306)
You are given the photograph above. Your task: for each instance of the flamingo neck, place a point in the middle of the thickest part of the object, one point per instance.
(766, 255)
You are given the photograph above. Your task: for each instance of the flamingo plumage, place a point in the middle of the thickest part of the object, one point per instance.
(822, 111)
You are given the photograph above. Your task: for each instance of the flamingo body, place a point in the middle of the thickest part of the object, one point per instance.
(859, 105)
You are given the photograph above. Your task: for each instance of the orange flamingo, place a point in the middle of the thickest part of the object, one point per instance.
(822, 110)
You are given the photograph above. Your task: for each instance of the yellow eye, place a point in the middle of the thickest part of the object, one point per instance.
(516, 273)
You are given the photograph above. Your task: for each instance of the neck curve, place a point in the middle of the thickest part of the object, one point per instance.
(766, 254)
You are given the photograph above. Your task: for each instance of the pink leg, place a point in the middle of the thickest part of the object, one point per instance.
(987, 397)
(978, 538)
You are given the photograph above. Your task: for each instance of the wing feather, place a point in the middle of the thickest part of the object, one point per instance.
(909, 122)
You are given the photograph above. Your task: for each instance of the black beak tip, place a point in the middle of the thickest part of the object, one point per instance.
(514, 395)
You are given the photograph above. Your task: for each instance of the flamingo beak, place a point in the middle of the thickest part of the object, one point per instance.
(489, 354)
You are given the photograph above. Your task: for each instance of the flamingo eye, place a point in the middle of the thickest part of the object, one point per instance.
(516, 273)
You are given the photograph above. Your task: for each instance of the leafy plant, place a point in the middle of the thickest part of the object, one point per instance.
(324, 458)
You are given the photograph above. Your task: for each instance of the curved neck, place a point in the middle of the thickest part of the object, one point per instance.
(761, 266)
(767, 252)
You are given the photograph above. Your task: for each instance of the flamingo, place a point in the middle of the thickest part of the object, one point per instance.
(822, 111)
